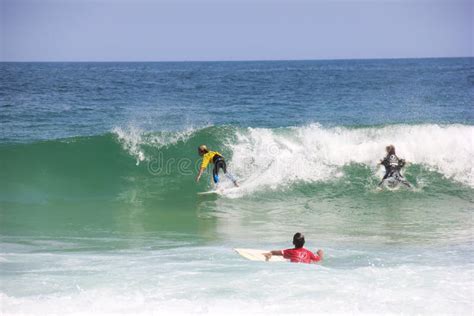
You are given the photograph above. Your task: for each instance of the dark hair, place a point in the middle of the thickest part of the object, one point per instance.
(390, 149)
(298, 240)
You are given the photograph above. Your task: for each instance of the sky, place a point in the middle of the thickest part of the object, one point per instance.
(187, 30)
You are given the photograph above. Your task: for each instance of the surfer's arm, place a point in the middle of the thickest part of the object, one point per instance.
(201, 171)
(205, 162)
(383, 162)
(268, 255)
(407, 164)
(320, 256)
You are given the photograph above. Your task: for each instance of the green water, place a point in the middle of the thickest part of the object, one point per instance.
(96, 218)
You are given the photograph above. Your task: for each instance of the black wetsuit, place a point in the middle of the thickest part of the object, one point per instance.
(393, 166)
(219, 163)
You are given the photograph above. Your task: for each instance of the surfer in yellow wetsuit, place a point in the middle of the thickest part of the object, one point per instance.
(213, 157)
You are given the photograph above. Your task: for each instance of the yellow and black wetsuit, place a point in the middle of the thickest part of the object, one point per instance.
(218, 161)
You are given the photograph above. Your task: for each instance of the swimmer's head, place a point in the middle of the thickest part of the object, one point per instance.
(202, 150)
(298, 240)
(390, 150)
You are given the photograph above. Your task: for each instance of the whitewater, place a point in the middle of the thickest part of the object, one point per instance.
(270, 158)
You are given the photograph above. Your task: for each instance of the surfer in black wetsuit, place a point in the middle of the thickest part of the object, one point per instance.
(393, 166)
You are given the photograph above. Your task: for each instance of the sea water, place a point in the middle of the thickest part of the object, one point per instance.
(100, 214)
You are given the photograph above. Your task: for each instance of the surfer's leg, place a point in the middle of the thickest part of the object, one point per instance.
(215, 173)
(231, 178)
(383, 179)
(223, 166)
(219, 164)
(405, 182)
(228, 175)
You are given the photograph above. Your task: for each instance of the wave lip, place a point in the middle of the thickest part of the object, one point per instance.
(133, 138)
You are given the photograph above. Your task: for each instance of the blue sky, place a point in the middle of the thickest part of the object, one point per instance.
(166, 30)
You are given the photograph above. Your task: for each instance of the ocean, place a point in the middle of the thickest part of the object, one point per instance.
(100, 212)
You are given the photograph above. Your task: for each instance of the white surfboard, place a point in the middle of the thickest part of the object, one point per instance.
(220, 191)
(391, 183)
(257, 255)
(208, 192)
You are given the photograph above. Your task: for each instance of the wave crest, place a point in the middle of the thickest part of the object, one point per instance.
(275, 157)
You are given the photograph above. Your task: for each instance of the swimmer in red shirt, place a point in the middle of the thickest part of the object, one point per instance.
(297, 254)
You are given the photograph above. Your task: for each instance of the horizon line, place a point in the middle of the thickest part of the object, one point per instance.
(225, 60)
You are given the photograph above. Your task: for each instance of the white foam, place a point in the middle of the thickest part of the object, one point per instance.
(270, 158)
(130, 139)
(183, 279)
(285, 289)
(134, 139)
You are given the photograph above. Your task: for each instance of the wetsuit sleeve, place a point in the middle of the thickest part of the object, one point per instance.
(205, 161)
(401, 163)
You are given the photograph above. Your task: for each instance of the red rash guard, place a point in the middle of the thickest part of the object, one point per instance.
(300, 255)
